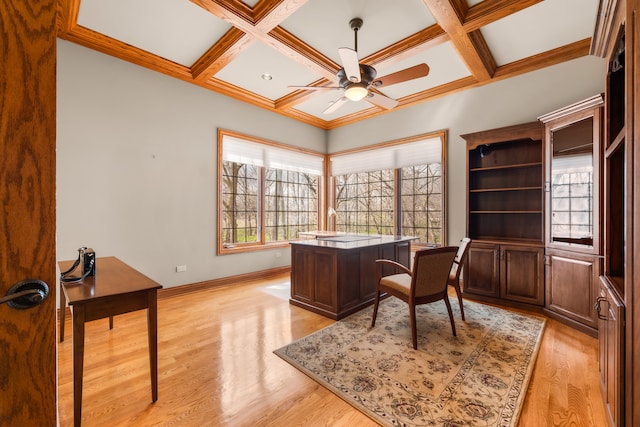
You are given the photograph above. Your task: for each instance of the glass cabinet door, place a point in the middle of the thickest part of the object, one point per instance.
(572, 176)
(571, 184)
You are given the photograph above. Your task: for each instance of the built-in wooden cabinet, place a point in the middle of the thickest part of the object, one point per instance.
(505, 214)
(573, 188)
(610, 309)
(522, 274)
(484, 261)
(572, 288)
(616, 38)
(511, 272)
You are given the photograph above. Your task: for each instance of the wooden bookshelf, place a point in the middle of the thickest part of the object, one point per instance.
(505, 213)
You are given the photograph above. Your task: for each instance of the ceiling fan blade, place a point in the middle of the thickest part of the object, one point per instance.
(337, 104)
(417, 71)
(349, 59)
(315, 87)
(381, 100)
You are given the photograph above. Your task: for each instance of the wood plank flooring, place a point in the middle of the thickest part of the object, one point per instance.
(216, 367)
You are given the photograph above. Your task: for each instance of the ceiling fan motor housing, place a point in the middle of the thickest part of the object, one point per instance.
(367, 74)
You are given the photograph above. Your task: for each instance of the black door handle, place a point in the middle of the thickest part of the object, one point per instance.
(26, 294)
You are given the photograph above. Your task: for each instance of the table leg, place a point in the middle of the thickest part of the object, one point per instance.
(152, 325)
(63, 312)
(110, 322)
(78, 316)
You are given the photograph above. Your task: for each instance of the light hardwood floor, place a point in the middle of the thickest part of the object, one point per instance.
(216, 367)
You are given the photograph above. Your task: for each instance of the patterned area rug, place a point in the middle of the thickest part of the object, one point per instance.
(478, 378)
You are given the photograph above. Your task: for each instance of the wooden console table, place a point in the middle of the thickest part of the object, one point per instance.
(336, 276)
(115, 289)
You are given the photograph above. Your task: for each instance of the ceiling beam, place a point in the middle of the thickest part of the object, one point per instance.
(262, 24)
(456, 23)
(471, 47)
(229, 47)
(488, 11)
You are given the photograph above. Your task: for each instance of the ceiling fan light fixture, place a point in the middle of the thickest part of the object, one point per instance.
(356, 91)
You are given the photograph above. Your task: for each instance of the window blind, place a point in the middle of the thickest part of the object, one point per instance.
(393, 157)
(574, 163)
(253, 153)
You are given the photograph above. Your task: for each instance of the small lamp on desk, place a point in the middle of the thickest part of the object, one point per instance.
(331, 216)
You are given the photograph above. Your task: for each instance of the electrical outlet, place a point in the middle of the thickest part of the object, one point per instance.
(181, 268)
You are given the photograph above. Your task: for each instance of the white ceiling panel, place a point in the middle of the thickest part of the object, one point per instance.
(250, 3)
(544, 26)
(445, 66)
(403, 32)
(176, 30)
(247, 69)
(324, 24)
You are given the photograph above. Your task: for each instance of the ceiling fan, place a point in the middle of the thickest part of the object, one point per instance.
(357, 79)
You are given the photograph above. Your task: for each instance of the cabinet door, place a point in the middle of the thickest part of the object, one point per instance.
(482, 274)
(573, 165)
(572, 281)
(611, 350)
(314, 280)
(302, 280)
(522, 274)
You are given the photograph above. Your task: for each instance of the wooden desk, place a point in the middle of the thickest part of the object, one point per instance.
(115, 289)
(337, 275)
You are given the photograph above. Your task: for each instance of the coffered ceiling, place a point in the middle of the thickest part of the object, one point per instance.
(227, 46)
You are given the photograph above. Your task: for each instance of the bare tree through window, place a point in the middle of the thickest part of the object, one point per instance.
(269, 192)
(407, 198)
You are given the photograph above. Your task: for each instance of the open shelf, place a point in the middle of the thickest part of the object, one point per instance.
(505, 198)
(497, 190)
(617, 140)
(510, 166)
(505, 212)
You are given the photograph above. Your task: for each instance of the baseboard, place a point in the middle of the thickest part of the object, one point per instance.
(223, 281)
(214, 283)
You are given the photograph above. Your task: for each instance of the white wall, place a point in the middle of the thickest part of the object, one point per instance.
(136, 155)
(518, 100)
(136, 167)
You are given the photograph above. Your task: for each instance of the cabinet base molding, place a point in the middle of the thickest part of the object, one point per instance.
(330, 314)
(501, 302)
(570, 322)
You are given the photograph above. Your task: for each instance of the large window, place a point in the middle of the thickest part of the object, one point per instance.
(364, 202)
(392, 188)
(268, 192)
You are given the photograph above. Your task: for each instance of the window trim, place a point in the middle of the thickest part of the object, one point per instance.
(221, 249)
(442, 135)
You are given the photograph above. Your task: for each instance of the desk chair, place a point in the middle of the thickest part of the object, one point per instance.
(425, 284)
(456, 269)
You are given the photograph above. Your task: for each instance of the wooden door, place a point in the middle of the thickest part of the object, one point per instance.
(27, 195)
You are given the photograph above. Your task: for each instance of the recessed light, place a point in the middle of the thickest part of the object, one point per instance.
(267, 76)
